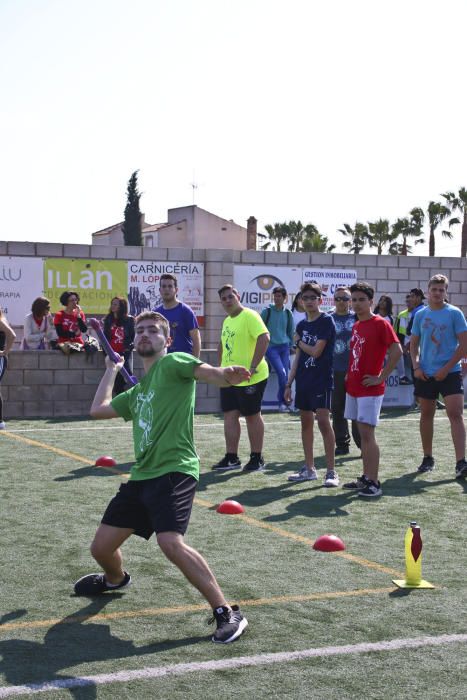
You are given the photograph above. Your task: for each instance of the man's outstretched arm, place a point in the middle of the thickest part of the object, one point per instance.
(221, 376)
(101, 407)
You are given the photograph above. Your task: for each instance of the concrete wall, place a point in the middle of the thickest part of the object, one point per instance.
(48, 384)
(393, 275)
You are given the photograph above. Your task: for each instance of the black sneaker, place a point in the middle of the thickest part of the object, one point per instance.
(230, 624)
(440, 405)
(358, 484)
(461, 469)
(427, 465)
(227, 463)
(372, 490)
(256, 464)
(95, 584)
(342, 450)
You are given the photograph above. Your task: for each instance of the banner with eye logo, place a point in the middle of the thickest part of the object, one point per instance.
(256, 282)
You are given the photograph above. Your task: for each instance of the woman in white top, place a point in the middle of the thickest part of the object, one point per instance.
(298, 309)
(39, 329)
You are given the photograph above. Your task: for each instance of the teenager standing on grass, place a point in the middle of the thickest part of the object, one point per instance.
(7, 338)
(280, 324)
(244, 341)
(312, 371)
(159, 495)
(438, 343)
(372, 338)
(344, 320)
(184, 329)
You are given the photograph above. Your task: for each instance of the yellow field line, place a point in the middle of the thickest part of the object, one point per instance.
(305, 540)
(153, 612)
(35, 443)
(207, 504)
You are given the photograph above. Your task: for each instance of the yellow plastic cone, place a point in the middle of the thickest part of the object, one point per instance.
(413, 560)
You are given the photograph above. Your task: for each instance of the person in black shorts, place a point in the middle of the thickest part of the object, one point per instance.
(244, 341)
(159, 495)
(438, 343)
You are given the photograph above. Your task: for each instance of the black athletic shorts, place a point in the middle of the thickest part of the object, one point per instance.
(306, 401)
(245, 399)
(153, 505)
(431, 388)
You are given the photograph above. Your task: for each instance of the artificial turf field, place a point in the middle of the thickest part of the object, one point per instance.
(321, 625)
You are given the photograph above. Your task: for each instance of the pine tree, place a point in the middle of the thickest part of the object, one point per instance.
(132, 224)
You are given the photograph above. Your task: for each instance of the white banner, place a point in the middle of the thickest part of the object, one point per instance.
(144, 279)
(21, 281)
(256, 282)
(328, 281)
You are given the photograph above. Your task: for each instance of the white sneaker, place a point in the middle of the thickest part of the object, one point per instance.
(331, 478)
(2, 425)
(304, 475)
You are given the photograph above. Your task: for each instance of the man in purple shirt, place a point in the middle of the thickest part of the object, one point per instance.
(184, 329)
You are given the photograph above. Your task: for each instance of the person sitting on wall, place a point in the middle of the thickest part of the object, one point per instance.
(70, 323)
(39, 329)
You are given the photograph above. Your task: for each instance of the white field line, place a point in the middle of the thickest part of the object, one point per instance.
(284, 424)
(229, 664)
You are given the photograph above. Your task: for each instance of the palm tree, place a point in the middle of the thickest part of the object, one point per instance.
(358, 236)
(407, 228)
(296, 234)
(276, 234)
(437, 213)
(315, 242)
(380, 235)
(459, 203)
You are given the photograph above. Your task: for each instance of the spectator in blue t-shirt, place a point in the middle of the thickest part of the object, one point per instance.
(184, 329)
(344, 320)
(280, 324)
(437, 345)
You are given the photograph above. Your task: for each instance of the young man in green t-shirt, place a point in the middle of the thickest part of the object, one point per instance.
(159, 494)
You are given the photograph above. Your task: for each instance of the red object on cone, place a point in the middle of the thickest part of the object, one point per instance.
(230, 508)
(329, 543)
(105, 461)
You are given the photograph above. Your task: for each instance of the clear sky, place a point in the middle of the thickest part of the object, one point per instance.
(327, 111)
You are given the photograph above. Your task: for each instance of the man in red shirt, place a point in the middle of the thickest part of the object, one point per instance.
(372, 338)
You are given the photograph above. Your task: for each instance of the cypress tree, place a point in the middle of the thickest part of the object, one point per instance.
(132, 223)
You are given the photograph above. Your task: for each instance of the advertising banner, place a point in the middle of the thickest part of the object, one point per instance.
(328, 281)
(96, 281)
(20, 284)
(256, 282)
(143, 285)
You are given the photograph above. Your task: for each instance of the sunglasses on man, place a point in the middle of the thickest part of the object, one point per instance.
(341, 298)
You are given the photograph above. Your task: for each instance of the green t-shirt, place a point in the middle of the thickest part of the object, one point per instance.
(238, 337)
(161, 407)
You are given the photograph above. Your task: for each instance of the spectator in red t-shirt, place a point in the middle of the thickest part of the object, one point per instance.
(71, 322)
(119, 329)
(372, 338)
